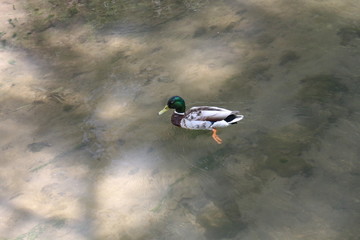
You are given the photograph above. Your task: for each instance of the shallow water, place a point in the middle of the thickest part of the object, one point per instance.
(84, 154)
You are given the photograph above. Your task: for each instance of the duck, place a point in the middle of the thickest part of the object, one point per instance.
(201, 117)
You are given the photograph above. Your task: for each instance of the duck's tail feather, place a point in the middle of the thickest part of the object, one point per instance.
(233, 119)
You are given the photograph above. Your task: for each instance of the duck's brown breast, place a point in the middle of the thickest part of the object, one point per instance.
(176, 119)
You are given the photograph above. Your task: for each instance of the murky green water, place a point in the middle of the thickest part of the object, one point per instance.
(84, 154)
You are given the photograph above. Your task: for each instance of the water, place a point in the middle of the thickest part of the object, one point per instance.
(84, 154)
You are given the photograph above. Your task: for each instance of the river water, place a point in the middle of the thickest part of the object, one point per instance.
(84, 154)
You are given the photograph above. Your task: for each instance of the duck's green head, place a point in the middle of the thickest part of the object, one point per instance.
(176, 103)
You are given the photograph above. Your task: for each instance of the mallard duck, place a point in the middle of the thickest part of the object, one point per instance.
(202, 117)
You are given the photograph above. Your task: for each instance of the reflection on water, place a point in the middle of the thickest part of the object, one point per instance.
(85, 156)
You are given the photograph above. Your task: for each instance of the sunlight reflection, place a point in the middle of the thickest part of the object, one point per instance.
(83, 40)
(129, 190)
(112, 109)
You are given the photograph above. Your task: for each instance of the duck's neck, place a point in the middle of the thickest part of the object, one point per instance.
(179, 113)
(180, 109)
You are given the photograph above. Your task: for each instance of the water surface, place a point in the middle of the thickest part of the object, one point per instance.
(85, 156)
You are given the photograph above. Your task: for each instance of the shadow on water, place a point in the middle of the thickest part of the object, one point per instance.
(105, 71)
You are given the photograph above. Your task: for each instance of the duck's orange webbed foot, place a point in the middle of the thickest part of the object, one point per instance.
(216, 137)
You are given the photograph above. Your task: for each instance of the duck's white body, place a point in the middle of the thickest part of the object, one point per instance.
(208, 118)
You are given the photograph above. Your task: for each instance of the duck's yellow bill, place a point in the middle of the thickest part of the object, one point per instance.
(166, 108)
